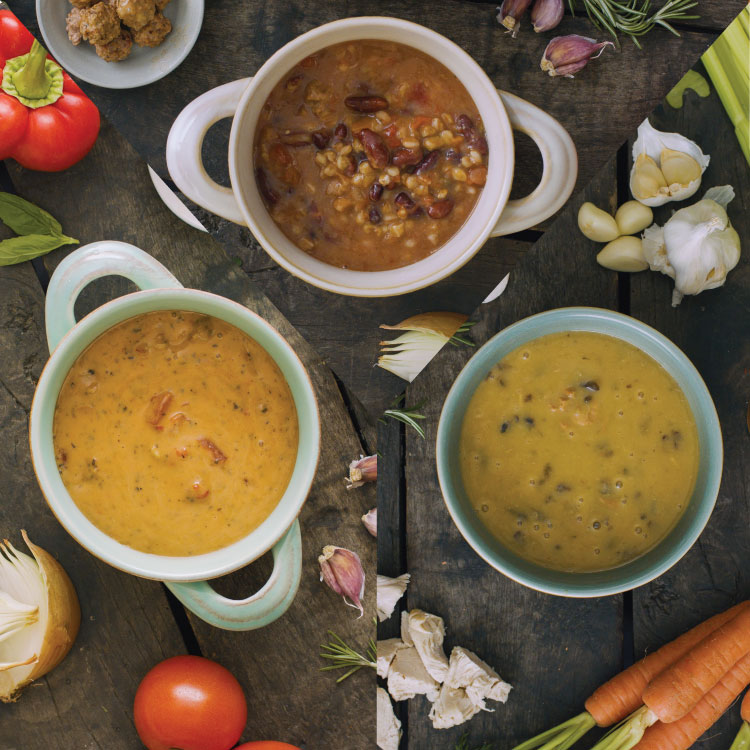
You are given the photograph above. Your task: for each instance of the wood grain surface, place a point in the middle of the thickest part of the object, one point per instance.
(600, 108)
(129, 626)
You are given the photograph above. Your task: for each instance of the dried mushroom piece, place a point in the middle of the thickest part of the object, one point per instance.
(118, 49)
(99, 24)
(136, 13)
(153, 33)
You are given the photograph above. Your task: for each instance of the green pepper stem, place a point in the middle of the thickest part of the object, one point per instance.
(32, 80)
(742, 740)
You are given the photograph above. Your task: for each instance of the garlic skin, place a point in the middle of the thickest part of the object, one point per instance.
(370, 521)
(697, 247)
(566, 55)
(361, 470)
(39, 597)
(547, 14)
(390, 590)
(623, 254)
(670, 148)
(342, 571)
(596, 224)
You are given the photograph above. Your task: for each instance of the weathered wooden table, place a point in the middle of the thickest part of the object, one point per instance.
(555, 651)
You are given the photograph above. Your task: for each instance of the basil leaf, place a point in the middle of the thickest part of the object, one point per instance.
(24, 217)
(19, 249)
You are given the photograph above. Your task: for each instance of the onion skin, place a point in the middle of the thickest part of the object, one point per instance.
(442, 323)
(63, 620)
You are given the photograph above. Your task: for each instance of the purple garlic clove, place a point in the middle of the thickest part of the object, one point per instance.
(342, 570)
(509, 14)
(370, 520)
(566, 55)
(547, 14)
(365, 469)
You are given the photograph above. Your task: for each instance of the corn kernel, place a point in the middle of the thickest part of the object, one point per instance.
(320, 159)
(459, 174)
(466, 161)
(475, 157)
(331, 156)
(384, 180)
(346, 149)
(397, 230)
(393, 171)
(426, 131)
(329, 171)
(436, 123)
(410, 181)
(432, 143)
(446, 136)
(421, 190)
(447, 119)
(361, 218)
(410, 143)
(441, 194)
(432, 238)
(358, 179)
(341, 204)
(365, 167)
(383, 116)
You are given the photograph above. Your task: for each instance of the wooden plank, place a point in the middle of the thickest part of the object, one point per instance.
(271, 663)
(127, 625)
(553, 650)
(600, 108)
(713, 329)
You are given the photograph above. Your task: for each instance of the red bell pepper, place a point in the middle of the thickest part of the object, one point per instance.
(46, 122)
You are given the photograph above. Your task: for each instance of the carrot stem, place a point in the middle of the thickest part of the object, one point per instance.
(627, 733)
(742, 740)
(561, 737)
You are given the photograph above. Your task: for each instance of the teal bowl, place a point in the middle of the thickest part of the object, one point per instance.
(677, 542)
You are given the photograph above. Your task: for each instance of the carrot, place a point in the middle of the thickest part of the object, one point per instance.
(672, 694)
(622, 695)
(680, 735)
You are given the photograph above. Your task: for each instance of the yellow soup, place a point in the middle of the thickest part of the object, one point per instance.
(579, 452)
(175, 433)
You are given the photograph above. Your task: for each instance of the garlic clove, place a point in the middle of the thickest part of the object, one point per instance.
(510, 13)
(547, 14)
(390, 590)
(566, 55)
(342, 570)
(652, 143)
(40, 644)
(633, 217)
(370, 521)
(361, 470)
(623, 254)
(596, 224)
(679, 169)
(647, 181)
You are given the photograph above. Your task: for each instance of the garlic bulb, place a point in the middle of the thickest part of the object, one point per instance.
(39, 616)
(697, 247)
(390, 590)
(426, 334)
(666, 166)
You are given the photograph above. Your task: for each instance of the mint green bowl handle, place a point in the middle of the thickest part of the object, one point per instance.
(90, 262)
(257, 610)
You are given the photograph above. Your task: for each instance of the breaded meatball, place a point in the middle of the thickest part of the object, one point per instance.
(82, 3)
(136, 13)
(116, 50)
(99, 24)
(153, 34)
(161, 4)
(73, 26)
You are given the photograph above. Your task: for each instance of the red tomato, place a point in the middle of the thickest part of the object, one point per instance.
(266, 745)
(189, 703)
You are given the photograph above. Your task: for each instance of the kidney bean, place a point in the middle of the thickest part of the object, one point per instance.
(321, 138)
(341, 131)
(478, 143)
(464, 124)
(375, 148)
(427, 163)
(403, 200)
(406, 156)
(270, 195)
(296, 140)
(375, 192)
(440, 209)
(477, 175)
(374, 215)
(366, 103)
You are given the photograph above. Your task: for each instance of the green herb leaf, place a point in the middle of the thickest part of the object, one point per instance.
(19, 249)
(345, 657)
(24, 217)
(463, 744)
(406, 414)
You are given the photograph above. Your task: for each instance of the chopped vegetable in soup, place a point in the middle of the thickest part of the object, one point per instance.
(175, 433)
(369, 155)
(579, 452)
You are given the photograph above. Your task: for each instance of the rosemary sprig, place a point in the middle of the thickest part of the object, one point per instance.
(634, 18)
(406, 414)
(463, 744)
(457, 339)
(345, 657)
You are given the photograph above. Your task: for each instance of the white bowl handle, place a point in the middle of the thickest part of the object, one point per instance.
(559, 173)
(184, 144)
(257, 610)
(82, 266)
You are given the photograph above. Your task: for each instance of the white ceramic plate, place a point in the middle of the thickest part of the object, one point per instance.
(144, 65)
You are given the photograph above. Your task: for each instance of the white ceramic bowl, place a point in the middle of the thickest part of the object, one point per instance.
(499, 111)
(144, 65)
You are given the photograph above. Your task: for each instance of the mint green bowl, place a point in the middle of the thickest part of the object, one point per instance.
(185, 576)
(680, 538)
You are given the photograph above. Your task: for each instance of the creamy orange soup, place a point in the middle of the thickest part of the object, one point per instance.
(175, 433)
(579, 452)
